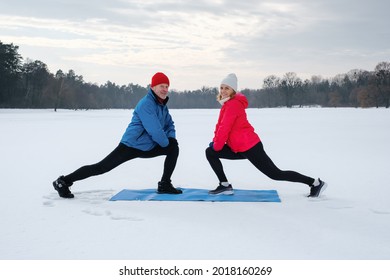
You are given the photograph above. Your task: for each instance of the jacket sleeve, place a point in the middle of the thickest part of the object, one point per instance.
(148, 116)
(225, 123)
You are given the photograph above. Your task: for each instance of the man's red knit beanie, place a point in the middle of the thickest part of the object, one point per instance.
(159, 78)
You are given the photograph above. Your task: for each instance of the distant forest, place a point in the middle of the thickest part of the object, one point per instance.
(29, 84)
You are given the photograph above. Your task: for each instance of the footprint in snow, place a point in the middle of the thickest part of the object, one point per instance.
(95, 196)
(49, 200)
(48, 203)
(381, 212)
(111, 215)
(126, 218)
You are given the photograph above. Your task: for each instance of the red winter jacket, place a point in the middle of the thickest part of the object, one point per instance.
(233, 127)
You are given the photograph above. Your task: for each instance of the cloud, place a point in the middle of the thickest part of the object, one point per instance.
(198, 38)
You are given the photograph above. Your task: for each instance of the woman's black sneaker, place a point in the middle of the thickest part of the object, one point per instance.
(222, 190)
(62, 188)
(167, 187)
(316, 191)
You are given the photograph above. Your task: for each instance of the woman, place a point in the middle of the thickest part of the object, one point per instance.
(151, 133)
(235, 138)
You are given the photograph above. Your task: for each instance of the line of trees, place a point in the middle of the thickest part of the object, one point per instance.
(29, 84)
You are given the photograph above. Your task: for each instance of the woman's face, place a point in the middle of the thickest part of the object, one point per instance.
(226, 91)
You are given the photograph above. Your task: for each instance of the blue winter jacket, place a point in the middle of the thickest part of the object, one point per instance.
(151, 125)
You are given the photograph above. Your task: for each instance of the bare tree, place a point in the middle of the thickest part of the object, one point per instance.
(290, 83)
(382, 79)
(271, 84)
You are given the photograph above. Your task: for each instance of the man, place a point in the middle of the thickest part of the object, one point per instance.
(151, 133)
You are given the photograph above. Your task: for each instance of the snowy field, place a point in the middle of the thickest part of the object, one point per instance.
(348, 148)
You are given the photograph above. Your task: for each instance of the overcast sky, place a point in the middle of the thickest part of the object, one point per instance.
(197, 43)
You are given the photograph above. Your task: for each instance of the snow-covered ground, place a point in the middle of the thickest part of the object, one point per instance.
(348, 148)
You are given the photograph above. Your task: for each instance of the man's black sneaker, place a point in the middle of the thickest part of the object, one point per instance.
(222, 190)
(167, 187)
(62, 188)
(316, 191)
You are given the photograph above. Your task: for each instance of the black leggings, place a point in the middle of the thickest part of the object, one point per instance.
(123, 153)
(257, 156)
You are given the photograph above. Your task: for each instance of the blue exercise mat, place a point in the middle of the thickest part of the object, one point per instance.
(198, 195)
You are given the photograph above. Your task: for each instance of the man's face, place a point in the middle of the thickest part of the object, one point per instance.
(161, 90)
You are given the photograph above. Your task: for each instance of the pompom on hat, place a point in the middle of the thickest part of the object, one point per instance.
(231, 81)
(159, 78)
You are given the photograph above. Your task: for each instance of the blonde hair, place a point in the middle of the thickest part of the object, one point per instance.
(219, 95)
